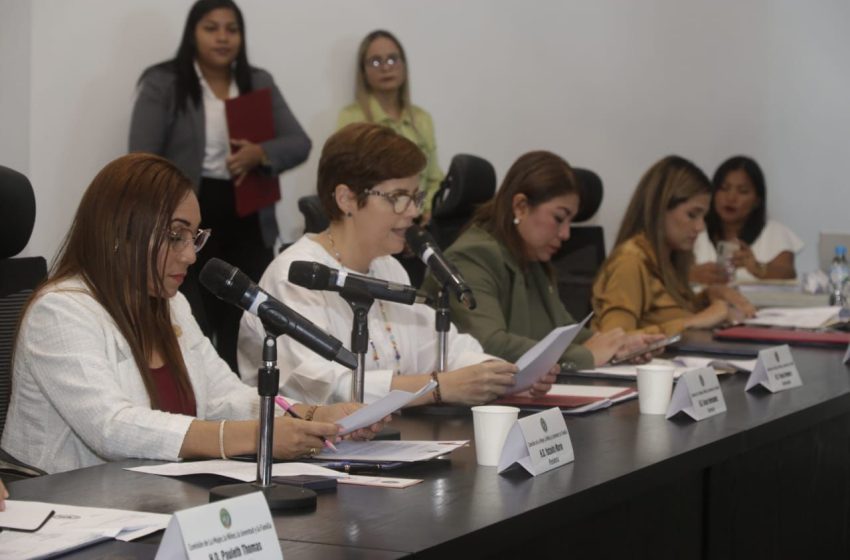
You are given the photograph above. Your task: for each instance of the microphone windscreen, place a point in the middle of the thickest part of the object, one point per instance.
(418, 239)
(224, 280)
(310, 275)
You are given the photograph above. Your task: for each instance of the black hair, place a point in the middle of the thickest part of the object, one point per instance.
(757, 218)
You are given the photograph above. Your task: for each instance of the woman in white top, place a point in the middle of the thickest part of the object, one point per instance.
(368, 182)
(738, 214)
(109, 362)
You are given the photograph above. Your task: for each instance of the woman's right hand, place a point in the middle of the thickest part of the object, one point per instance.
(299, 438)
(716, 313)
(603, 345)
(477, 384)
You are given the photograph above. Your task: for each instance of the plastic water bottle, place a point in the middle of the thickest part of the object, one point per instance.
(839, 273)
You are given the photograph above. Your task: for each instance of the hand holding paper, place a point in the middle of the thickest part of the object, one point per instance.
(535, 364)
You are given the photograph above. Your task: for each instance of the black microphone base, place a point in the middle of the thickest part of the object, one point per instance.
(278, 496)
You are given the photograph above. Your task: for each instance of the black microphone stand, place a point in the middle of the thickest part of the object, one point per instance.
(360, 302)
(278, 496)
(442, 323)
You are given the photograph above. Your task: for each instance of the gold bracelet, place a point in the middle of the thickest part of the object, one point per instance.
(438, 397)
(310, 412)
(221, 439)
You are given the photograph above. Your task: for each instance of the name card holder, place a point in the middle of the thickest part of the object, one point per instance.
(775, 370)
(698, 395)
(538, 443)
(239, 527)
(847, 355)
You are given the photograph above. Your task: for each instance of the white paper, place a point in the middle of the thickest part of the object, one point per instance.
(540, 358)
(795, 317)
(73, 526)
(381, 481)
(598, 391)
(24, 516)
(390, 451)
(775, 370)
(239, 470)
(538, 443)
(381, 408)
(680, 364)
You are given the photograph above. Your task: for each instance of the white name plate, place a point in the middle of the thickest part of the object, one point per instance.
(847, 355)
(775, 370)
(538, 443)
(236, 528)
(697, 394)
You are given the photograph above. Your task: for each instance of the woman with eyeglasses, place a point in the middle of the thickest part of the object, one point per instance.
(179, 114)
(368, 183)
(382, 96)
(109, 362)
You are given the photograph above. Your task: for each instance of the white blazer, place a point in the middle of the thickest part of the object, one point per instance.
(78, 398)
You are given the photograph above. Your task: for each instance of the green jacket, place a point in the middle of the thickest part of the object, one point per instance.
(502, 322)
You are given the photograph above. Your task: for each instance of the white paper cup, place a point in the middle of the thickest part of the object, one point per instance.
(655, 385)
(492, 424)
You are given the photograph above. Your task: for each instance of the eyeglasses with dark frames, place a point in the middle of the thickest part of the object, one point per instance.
(400, 200)
(390, 61)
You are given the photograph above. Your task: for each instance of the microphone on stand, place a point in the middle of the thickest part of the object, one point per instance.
(447, 275)
(316, 276)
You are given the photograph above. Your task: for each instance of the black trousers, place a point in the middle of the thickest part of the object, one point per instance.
(235, 240)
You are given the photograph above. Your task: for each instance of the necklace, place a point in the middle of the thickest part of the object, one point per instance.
(387, 325)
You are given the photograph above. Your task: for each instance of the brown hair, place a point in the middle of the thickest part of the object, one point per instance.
(540, 176)
(667, 184)
(361, 155)
(362, 89)
(112, 246)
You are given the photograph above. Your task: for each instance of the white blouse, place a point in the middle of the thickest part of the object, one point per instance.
(306, 375)
(217, 146)
(78, 398)
(774, 238)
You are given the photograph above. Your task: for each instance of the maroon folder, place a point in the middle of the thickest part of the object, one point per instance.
(785, 336)
(250, 117)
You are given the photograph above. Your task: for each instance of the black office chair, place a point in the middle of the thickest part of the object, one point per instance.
(582, 254)
(18, 278)
(315, 219)
(470, 181)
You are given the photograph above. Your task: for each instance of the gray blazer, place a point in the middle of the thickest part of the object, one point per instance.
(179, 136)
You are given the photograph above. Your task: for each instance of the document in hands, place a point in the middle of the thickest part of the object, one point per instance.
(72, 527)
(539, 359)
(381, 408)
(239, 470)
(681, 364)
(390, 451)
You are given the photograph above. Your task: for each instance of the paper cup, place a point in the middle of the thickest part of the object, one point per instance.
(492, 424)
(655, 385)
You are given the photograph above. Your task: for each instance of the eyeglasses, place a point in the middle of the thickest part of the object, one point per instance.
(182, 238)
(377, 61)
(401, 200)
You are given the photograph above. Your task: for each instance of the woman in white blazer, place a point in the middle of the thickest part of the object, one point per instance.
(109, 362)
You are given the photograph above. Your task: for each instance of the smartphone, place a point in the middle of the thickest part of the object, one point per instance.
(651, 348)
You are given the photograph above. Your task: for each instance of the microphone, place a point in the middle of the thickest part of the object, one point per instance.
(316, 276)
(232, 285)
(426, 249)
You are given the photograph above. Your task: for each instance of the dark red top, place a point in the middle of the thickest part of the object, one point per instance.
(168, 393)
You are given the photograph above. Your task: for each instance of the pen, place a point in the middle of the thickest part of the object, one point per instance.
(284, 404)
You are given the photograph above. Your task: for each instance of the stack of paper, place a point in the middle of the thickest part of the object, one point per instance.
(681, 364)
(573, 399)
(796, 317)
(239, 470)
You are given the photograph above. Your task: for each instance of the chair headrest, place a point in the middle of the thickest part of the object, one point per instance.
(17, 212)
(590, 187)
(469, 181)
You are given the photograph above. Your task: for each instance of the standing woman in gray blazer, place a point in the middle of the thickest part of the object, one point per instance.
(179, 114)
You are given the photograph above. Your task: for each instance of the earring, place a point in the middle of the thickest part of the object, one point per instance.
(516, 221)
(349, 214)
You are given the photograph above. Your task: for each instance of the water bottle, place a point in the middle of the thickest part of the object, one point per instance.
(838, 277)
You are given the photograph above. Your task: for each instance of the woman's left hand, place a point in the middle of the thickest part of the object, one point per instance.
(241, 162)
(542, 387)
(637, 341)
(334, 412)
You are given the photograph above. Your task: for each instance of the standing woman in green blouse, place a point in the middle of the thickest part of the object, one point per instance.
(383, 97)
(505, 255)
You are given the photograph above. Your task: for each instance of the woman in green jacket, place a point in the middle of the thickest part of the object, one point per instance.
(504, 257)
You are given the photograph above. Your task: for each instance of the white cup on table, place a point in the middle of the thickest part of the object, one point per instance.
(492, 424)
(655, 385)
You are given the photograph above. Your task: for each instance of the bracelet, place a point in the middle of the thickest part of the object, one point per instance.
(438, 397)
(221, 439)
(762, 269)
(310, 412)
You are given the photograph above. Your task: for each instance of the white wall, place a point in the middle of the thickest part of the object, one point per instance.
(612, 85)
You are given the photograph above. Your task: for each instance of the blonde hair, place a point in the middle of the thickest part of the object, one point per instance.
(362, 90)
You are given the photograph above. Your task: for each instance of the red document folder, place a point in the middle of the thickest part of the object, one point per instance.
(785, 336)
(561, 401)
(250, 117)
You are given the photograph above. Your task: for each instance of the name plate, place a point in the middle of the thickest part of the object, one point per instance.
(538, 443)
(697, 394)
(235, 528)
(775, 370)
(847, 355)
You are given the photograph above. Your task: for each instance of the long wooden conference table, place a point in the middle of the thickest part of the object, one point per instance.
(770, 478)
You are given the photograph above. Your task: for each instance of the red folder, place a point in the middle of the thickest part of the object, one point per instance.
(250, 117)
(561, 401)
(785, 336)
